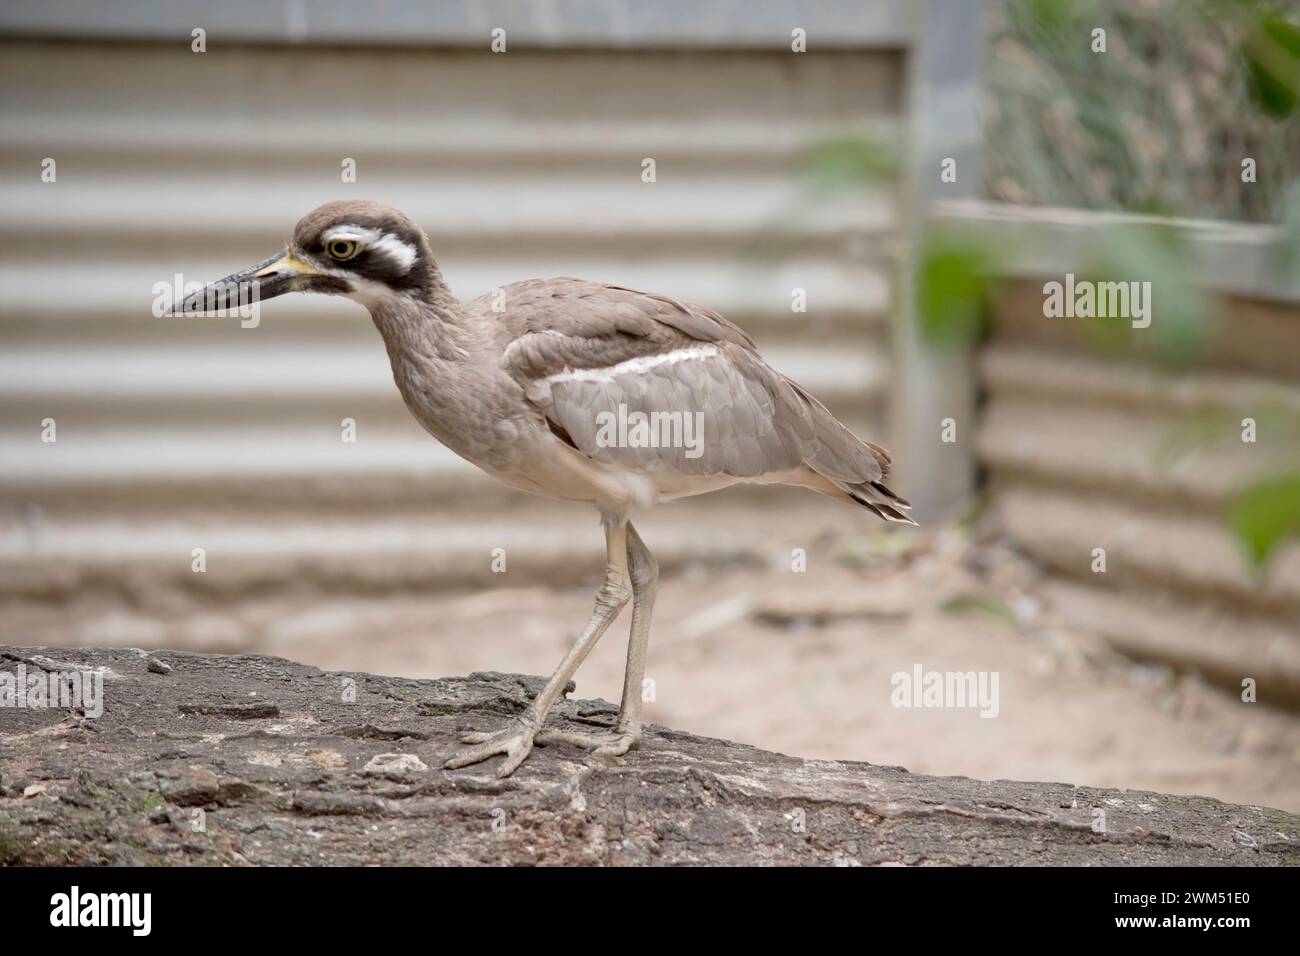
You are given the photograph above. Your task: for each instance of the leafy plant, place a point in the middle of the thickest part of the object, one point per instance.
(1272, 53)
(952, 286)
(1158, 255)
(1129, 131)
(851, 161)
(1265, 514)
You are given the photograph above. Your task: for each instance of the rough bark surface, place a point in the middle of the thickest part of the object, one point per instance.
(202, 759)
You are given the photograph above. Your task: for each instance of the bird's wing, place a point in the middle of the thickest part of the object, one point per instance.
(596, 310)
(600, 362)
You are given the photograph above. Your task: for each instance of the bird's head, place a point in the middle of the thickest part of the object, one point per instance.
(360, 249)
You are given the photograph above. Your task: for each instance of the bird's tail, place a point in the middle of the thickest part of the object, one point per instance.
(875, 496)
(854, 467)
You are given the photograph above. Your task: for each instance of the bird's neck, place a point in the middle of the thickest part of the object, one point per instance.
(431, 327)
(443, 362)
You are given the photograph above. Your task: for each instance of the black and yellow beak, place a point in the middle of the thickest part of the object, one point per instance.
(279, 274)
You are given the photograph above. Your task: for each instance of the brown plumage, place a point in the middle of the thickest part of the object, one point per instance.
(760, 422)
(529, 383)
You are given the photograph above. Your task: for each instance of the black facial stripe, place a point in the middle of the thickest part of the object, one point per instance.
(375, 265)
(372, 263)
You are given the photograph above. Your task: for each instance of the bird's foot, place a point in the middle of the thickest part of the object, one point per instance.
(613, 743)
(515, 741)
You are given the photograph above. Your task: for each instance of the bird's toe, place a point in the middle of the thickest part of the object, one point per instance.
(516, 742)
(610, 744)
(617, 746)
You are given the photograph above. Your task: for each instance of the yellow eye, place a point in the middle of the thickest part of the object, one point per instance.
(342, 249)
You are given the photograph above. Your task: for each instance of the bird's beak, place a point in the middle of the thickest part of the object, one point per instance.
(279, 274)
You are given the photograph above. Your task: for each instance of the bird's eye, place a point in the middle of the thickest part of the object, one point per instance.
(342, 249)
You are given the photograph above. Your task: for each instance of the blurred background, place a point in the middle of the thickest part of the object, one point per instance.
(914, 174)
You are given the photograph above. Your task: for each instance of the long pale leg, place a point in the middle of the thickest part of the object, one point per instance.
(516, 741)
(644, 573)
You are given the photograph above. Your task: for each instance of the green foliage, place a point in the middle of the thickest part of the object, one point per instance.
(847, 162)
(1272, 53)
(1184, 91)
(1265, 514)
(1181, 322)
(952, 282)
(1049, 17)
(1158, 125)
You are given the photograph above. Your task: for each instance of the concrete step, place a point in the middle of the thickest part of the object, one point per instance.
(315, 373)
(1197, 464)
(1257, 336)
(458, 140)
(1147, 550)
(1226, 648)
(393, 464)
(1026, 371)
(473, 202)
(149, 557)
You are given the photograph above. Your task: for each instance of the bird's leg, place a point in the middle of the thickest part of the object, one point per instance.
(644, 573)
(516, 741)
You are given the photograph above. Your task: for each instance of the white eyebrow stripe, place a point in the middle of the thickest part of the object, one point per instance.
(400, 253)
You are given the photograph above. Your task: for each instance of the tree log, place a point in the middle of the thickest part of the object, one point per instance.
(200, 759)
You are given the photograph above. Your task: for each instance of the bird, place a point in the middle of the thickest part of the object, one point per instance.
(573, 390)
